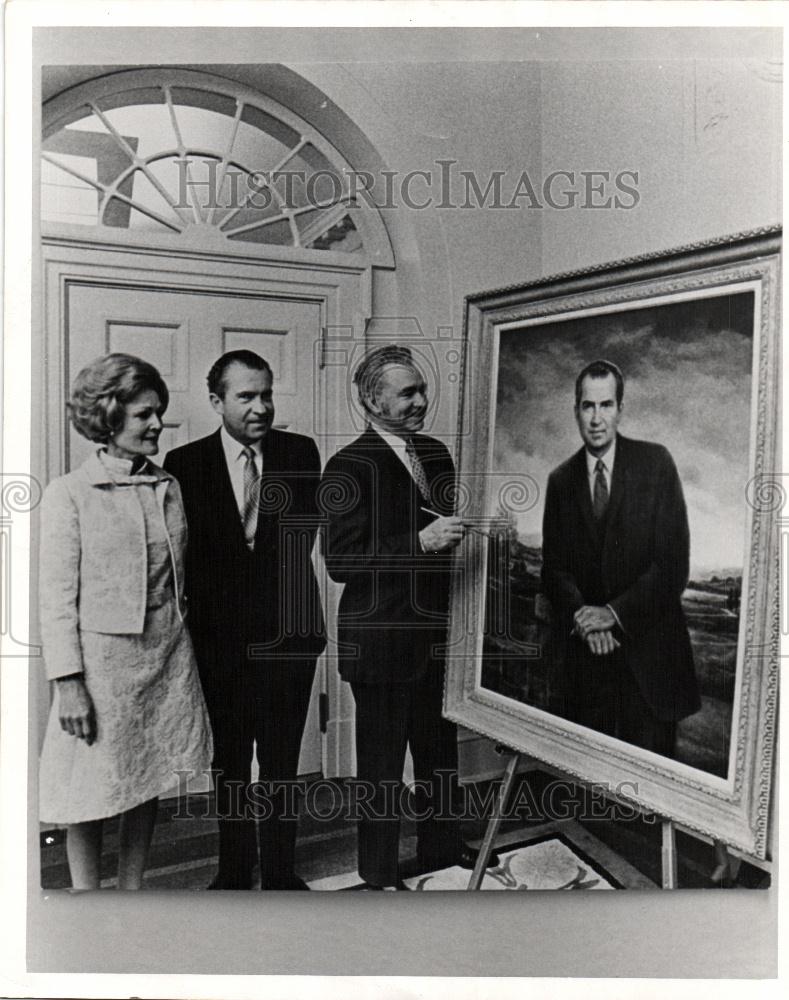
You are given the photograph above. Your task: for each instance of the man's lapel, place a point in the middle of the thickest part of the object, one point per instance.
(281, 484)
(582, 494)
(269, 446)
(390, 469)
(222, 489)
(619, 480)
(440, 476)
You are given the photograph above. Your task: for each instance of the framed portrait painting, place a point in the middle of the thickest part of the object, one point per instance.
(615, 610)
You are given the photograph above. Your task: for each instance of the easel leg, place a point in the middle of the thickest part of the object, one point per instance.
(669, 855)
(726, 867)
(494, 823)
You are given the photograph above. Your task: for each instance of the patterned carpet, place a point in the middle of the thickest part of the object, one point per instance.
(547, 862)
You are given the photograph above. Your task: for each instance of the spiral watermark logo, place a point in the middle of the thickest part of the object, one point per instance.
(518, 494)
(449, 494)
(274, 496)
(20, 494)
(767, 493)
(338, 494)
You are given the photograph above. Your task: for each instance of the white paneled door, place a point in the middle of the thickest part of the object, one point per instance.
(182, 332)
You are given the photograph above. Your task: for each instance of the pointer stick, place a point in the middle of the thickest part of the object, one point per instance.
(470, 527)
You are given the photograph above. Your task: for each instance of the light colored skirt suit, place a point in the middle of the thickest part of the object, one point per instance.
(152, 724)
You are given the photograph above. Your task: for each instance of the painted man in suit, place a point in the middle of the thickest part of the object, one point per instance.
(391, 545)
(616, 552)
(250, 494)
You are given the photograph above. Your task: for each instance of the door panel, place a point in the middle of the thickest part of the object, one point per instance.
(182, 333)
(166, 346)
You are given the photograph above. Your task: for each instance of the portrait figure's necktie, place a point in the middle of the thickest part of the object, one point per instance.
(251, 497)
(600, 497)
(418, 470)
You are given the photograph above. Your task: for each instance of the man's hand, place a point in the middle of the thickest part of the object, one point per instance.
(442, 534)
(77, 714)
(601, 643)
(591, 618)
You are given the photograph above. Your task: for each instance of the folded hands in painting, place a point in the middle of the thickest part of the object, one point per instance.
(594, 625)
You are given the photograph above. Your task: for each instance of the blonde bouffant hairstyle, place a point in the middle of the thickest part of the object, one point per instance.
(104, 388)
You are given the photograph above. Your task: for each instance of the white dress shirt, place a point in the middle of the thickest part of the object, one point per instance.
(397, 444)
(236, 463)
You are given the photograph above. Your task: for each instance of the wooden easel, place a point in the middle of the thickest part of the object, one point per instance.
(725, 870)
(495, 820)
(726, 866)
(668, 854)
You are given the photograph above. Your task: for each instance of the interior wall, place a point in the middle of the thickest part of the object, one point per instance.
(704, 136)
(477, 118)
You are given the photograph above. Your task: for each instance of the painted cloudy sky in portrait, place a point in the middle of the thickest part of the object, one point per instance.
(687, 369)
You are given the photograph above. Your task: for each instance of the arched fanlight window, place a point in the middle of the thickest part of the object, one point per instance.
(189, 153)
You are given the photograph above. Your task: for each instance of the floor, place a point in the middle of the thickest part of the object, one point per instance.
(183, 852)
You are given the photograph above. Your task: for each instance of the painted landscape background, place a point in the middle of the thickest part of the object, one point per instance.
(522, 665)
(687, 368)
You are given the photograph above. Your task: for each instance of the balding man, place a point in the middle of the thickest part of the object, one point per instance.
(391, 546)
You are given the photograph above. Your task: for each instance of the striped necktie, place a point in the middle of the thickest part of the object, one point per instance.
(249, 516)
(418, 470)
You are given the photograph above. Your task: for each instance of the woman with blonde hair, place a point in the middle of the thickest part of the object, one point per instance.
(128, 717)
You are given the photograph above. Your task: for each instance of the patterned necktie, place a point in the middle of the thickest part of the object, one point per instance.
(600, 497)
(418, 470)
(251, 497)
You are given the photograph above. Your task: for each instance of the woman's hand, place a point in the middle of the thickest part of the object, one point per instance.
(77, 715)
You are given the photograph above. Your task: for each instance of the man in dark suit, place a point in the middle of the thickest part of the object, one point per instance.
(616, 552)
(390, 541)
(250, 494)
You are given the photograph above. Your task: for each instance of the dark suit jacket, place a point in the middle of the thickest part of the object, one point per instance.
(268, 596)
(638, 563)
(393, 611)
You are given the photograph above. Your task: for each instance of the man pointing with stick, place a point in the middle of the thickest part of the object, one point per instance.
(392, 546)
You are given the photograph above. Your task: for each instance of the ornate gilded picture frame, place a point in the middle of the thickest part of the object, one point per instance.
(696, 334)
